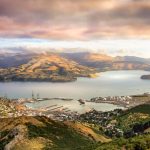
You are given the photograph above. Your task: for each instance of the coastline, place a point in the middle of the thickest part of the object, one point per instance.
(124, 102)
(65, 79)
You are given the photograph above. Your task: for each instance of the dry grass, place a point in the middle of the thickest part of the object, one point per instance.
(32, 144)
(88, 132)
(10, 123)
(98, 57)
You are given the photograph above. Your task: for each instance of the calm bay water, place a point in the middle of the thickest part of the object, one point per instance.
(73, 105)
(111, 83)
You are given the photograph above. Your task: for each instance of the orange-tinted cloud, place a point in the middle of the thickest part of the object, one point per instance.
(75, 19)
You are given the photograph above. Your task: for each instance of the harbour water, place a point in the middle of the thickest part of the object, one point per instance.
(111, 83)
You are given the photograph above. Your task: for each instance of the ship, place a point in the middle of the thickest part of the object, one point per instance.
(81, 101)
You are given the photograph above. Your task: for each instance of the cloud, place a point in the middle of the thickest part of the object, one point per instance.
(130, 47)
(75, 19)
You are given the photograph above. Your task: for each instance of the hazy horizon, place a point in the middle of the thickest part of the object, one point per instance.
(116, 28)
(116, 47)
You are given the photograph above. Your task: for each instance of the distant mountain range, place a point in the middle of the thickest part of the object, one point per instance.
(104, 62)
(63, 66)
(14, 60)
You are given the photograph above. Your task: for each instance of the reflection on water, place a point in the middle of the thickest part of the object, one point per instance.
(111, 83)
(73, 105)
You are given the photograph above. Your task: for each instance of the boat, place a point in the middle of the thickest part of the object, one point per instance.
(81, 101)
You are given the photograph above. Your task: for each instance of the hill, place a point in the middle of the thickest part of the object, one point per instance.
(104, 62)
(129, 129)
(14, 59)
(133, 59)
(145, 109)
(95, 60)
(64, 67)
(97, 57)
(94, 130)
(140, 142)
(41, 133)
(38, 133)
(49, 67)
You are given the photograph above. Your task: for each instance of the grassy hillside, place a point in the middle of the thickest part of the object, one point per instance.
(63, 66)
(49, 67)
(104, 62)
(136, 115)
(145, 109)
(28, 133)
(42, 133)
(140, 142)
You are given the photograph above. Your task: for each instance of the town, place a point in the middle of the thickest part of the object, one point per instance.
(124, 101)
(104, 121)
(18, 107)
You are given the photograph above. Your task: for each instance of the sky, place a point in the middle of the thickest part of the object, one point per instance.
(111, 26)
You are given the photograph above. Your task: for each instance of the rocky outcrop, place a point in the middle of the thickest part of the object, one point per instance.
(145, 77)
(18, 134)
